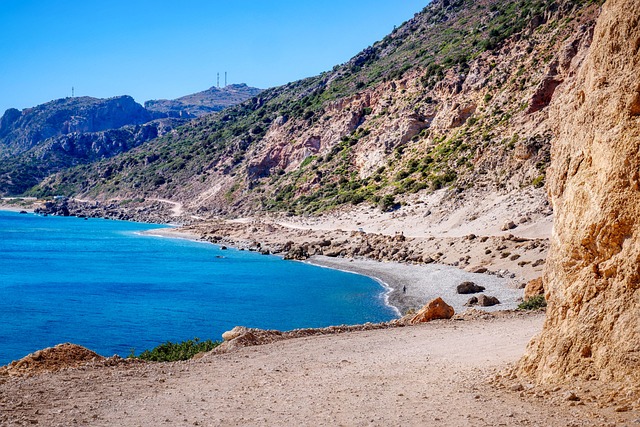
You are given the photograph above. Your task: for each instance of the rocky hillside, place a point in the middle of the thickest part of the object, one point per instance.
(456, 99)
(24, 170)
(205, 102)
(593, 270)
(22, 130)
(51, 137)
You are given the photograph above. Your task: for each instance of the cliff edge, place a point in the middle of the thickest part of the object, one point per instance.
(593, 270)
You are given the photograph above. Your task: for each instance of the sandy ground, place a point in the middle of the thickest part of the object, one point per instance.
(427, 281)
(441, 374)
(439, 214)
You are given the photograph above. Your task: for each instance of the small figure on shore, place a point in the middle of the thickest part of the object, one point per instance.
(404, 289)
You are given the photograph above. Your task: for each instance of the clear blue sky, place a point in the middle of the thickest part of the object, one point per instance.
(152, 49)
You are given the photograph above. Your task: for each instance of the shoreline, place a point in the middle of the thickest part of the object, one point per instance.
(423, 282)
(388, 289)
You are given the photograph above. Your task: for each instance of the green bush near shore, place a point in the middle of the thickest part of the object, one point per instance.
(171, 352)
(533, 303)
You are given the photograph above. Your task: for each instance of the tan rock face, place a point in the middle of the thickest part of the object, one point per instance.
(534, 288)
(593, 270)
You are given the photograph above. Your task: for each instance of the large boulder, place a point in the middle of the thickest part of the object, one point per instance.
(435, 309)
(469, 288)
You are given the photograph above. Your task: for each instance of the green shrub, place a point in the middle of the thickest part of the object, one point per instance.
(538, 181)
(387, 203)
(171, 352)
(533, 303)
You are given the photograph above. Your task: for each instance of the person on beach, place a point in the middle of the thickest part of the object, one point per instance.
(404, 289)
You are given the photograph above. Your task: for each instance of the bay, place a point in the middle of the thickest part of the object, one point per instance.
(103, 285)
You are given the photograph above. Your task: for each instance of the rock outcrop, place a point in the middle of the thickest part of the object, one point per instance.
(592, 274)
(534, 288)
(433, 310)
(51, 359)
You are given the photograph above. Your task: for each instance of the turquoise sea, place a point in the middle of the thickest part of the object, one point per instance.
(103, 285)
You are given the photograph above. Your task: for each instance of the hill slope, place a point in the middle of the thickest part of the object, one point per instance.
(455, 98)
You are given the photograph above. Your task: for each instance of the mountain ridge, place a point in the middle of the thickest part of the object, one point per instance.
(62, 133)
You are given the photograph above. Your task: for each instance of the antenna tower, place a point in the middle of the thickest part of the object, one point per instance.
(218, 80)
(72, 91)
(225, 79)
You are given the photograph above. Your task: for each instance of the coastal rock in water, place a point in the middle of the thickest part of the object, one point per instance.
(469, 288)
(592, 273)
(534, 288)
(234, 333)
(435, 309)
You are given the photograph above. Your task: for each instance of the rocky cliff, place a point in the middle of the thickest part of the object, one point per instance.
(592, 274)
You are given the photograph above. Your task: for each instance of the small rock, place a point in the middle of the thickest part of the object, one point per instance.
(234, 333)
(537, 262)
(487, 301)
(570, 397)
(472, 301)
(534, 288)
(517, 387)
(509, 225)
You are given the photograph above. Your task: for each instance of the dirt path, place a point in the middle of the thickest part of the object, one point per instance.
(433, 374)
(176, 207)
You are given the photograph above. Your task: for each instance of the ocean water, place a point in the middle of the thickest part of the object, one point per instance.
(103, 285)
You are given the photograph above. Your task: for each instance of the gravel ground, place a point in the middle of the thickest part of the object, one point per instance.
(436, 374)
(426, 282)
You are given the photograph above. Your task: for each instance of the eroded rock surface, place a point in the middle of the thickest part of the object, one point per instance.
(593, 270)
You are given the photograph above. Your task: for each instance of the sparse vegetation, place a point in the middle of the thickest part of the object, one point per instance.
(533, 303)
(171, 352)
